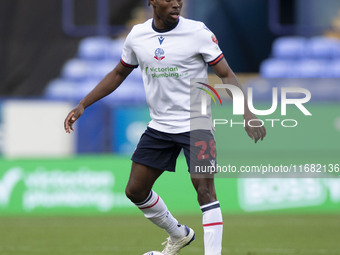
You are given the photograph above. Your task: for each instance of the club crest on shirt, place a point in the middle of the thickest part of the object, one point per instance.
(159, 54)
(214, 38)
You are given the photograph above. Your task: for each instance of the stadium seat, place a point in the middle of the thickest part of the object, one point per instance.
(116, 49)
(75, 69)
(289, 47)
(98, 69)
(323, 47)
(95, 48)
(310, 68)
(128, 93)
(277, 68)
(97, 56)
(80, 69)
(62, 90)
(333, 68)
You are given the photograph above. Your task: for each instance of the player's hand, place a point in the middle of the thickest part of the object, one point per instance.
(256, 131)
(72, 117)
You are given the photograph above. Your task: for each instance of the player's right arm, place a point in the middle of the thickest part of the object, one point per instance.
(105, 87)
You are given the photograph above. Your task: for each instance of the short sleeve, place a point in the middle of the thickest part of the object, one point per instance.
(208, 46)
(129, 58)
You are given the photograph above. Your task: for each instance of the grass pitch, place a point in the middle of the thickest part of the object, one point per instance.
(132, 235)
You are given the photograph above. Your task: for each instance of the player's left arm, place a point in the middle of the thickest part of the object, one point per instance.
(227, 76)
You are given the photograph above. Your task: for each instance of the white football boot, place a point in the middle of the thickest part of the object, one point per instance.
(172, 248)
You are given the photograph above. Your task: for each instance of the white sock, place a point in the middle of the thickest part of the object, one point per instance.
(156, 211)
(213, 228)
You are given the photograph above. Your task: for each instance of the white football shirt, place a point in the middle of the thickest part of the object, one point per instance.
(168, 60)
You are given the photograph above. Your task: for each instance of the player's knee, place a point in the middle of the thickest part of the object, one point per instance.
(205, 195)
(135, 195)
(131, 194)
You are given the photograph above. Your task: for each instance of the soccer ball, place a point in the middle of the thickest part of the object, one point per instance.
(154, 253)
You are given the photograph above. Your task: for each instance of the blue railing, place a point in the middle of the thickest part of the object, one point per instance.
(274, 19)
(102, 26)
(312, 17)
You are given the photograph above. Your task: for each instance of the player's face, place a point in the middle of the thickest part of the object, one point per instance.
(167, 11)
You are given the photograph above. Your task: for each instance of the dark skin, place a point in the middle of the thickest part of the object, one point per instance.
(142, 178)
(227, 76)
(166, 12)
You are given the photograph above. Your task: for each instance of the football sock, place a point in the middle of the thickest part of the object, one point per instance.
(213, 228)
(156, 211)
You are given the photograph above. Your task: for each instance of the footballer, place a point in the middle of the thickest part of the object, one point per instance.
(171, 50)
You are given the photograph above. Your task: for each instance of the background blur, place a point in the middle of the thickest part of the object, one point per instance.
(64, 193)
(52, 53)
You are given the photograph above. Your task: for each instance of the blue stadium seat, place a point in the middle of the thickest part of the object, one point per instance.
(323, 47)
(98, 69)
(80, 69)
(310, 68)
(75, 69)
(129, 92)
(116, 49)
(95, 48)
(333, 68)
(97, 57)
(86, 86)
(289, 47)
(277, 68)
(62, 89)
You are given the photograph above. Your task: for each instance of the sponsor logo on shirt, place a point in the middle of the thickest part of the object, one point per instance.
(165, 72)
(161, 39)
(159, 54)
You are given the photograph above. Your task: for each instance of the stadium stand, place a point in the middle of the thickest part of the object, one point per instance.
(273, 68)
(99, 48)
(299, 57)
(323, 47)
(311, 63)
(96, 57)
(291, 47)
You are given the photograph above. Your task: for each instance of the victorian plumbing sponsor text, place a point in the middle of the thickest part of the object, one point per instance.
(7, 184)
(165, 72)
(44, 188)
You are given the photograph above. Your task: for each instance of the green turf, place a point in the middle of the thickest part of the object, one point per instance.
(246, 235)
